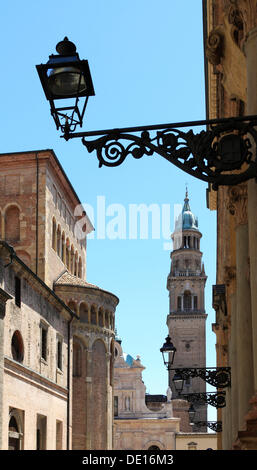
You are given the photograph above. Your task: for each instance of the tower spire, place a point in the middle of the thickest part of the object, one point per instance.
(186, 197)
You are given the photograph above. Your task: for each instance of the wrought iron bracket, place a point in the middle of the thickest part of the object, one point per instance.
(224, 154)
(215, 426)
(219, 377)
(216, 399)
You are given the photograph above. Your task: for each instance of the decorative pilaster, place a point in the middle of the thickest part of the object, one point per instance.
(238, 198)
(250, 48)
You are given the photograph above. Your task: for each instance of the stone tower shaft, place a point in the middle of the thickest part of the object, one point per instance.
(186, 320)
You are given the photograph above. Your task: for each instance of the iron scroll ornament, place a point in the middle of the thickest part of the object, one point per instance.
(219, 377)
(216, 399)
(215, 426)
(222, 155)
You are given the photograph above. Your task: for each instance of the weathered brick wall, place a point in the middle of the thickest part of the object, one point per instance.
(79, 395)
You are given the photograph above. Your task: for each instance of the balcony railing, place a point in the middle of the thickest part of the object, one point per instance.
(185, 273)
(187, 310)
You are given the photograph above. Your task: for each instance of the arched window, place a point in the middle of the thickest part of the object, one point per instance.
(179, 304)
(76, 267)
(187, 300)
(72, 262)
(59, 240)
(153, 448)
(68, 253)
(63, 253)
(100, 317)
(15, 431)
(93, 315)
(83, 312)
(54, 234)
(12, 224)
(80, 268)
(17, 346)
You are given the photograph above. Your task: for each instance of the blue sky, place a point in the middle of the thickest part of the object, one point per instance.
(146, 60)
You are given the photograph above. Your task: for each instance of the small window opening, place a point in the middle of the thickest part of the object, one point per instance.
(17, 291)
(44, 343)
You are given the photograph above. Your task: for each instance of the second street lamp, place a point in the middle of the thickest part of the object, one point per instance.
(168, 351)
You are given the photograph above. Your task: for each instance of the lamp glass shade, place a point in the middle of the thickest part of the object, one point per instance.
(168, 352)
(191, 413)
(178, 382)
(66, 81)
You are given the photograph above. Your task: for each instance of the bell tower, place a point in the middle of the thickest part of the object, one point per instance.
(186, 320)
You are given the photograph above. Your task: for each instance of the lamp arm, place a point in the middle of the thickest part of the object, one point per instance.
(211, 155)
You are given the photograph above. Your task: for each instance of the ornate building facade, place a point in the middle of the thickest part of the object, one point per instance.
(230, 36)
(186, 320)
(150, 422)
(56, 329)
(136, 425)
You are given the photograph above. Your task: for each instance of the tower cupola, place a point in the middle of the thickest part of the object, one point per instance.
(186, 219)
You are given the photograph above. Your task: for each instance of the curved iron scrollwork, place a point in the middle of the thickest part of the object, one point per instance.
(216, 399)
(215, 426)
(222, 155)
(218, 377)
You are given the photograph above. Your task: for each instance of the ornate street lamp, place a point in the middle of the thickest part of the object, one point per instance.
(168, 351)
(224, 154)
(213, 425)
(64, 77)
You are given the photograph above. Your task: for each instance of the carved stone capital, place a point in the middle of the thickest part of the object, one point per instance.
(215, 46)
(237, 203)
(241, 15)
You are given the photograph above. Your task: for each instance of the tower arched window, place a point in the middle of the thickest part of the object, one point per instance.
(179, 303)
(187, 300)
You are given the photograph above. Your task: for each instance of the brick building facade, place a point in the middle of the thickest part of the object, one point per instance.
(56, 329)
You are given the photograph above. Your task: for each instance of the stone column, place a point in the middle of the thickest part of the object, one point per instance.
(238, 207)
(250, 49)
